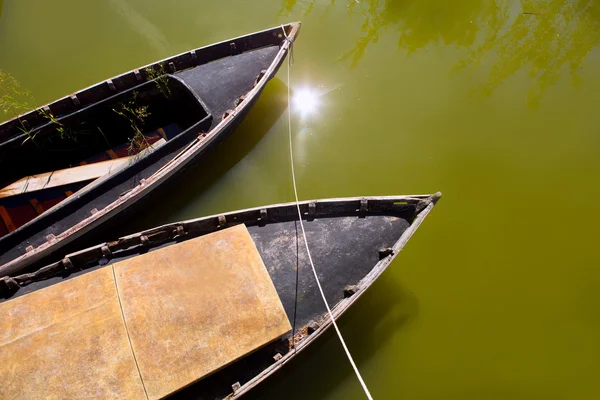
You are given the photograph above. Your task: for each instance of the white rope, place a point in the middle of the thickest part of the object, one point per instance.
(360, 379)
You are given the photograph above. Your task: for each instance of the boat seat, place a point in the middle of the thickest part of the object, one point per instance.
(25, 199)
(67, 176)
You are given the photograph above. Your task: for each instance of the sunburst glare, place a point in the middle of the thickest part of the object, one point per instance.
(305, 101)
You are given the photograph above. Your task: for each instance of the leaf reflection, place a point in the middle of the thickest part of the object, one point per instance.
(547, 37)
(13, 98)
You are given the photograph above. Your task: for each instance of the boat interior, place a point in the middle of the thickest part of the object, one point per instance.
(46, 165)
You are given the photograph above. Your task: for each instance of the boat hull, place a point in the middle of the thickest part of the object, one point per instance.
(352, 243)
(84, 213)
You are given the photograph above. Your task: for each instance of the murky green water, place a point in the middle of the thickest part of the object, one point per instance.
(494, 104)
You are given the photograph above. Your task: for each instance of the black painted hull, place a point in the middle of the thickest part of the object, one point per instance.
(352, 242)
(227, 88)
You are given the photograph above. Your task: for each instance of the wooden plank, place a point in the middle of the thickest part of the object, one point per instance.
(194, 307)
(67, 341)
(181, 312)
(69, 175)
(39, 209)
(62, 177)
(111, 153)
(7, 219)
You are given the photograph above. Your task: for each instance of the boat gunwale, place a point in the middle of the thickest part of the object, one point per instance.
(105, 100)
(145, 186)
(21, 119)
(323, 208)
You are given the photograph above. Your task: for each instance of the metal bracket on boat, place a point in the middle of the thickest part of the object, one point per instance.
(137, 74)
(277, 356)
(50, 237)
(67, 263)
(364, 205)
(350, 290)
(226, 114)
(194, 56)
(235, 387)
(311, 327)
(106, 252)
(125, 192)
(172, 67)
(232, 48)
(111, 85)
(387, 251)
(47, 110)
(8, 286)
(260, 76)
(240, 100)
(312, 210)
(75, 99)
(94, 211)
(144, 241)
(264, 216)
(179, 231)
(222, 221)
(29, 248)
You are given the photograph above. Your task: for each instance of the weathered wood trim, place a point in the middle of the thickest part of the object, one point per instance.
(154, 237)
(5, 216)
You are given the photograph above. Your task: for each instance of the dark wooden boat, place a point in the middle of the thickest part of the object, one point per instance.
(72, 165)
(352, 241)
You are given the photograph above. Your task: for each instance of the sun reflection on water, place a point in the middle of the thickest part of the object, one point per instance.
(305, 101)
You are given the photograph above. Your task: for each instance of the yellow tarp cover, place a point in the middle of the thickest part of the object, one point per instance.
(144, 327)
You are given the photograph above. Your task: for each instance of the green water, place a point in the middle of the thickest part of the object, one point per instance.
(494, 104)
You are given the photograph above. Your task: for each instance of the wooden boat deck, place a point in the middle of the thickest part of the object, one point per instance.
(177, 314)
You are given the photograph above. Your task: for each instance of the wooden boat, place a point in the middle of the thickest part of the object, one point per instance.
(189, 303)
(70, 166)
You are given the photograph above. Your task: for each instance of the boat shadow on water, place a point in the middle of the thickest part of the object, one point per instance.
(385, 309)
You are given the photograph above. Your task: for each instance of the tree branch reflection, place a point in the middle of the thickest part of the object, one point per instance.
(546, 37)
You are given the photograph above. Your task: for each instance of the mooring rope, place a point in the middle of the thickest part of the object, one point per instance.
(356, 371)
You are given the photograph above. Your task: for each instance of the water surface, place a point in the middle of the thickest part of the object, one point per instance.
(493, 103)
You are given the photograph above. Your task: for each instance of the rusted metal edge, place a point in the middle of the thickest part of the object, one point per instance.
(178, 162)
